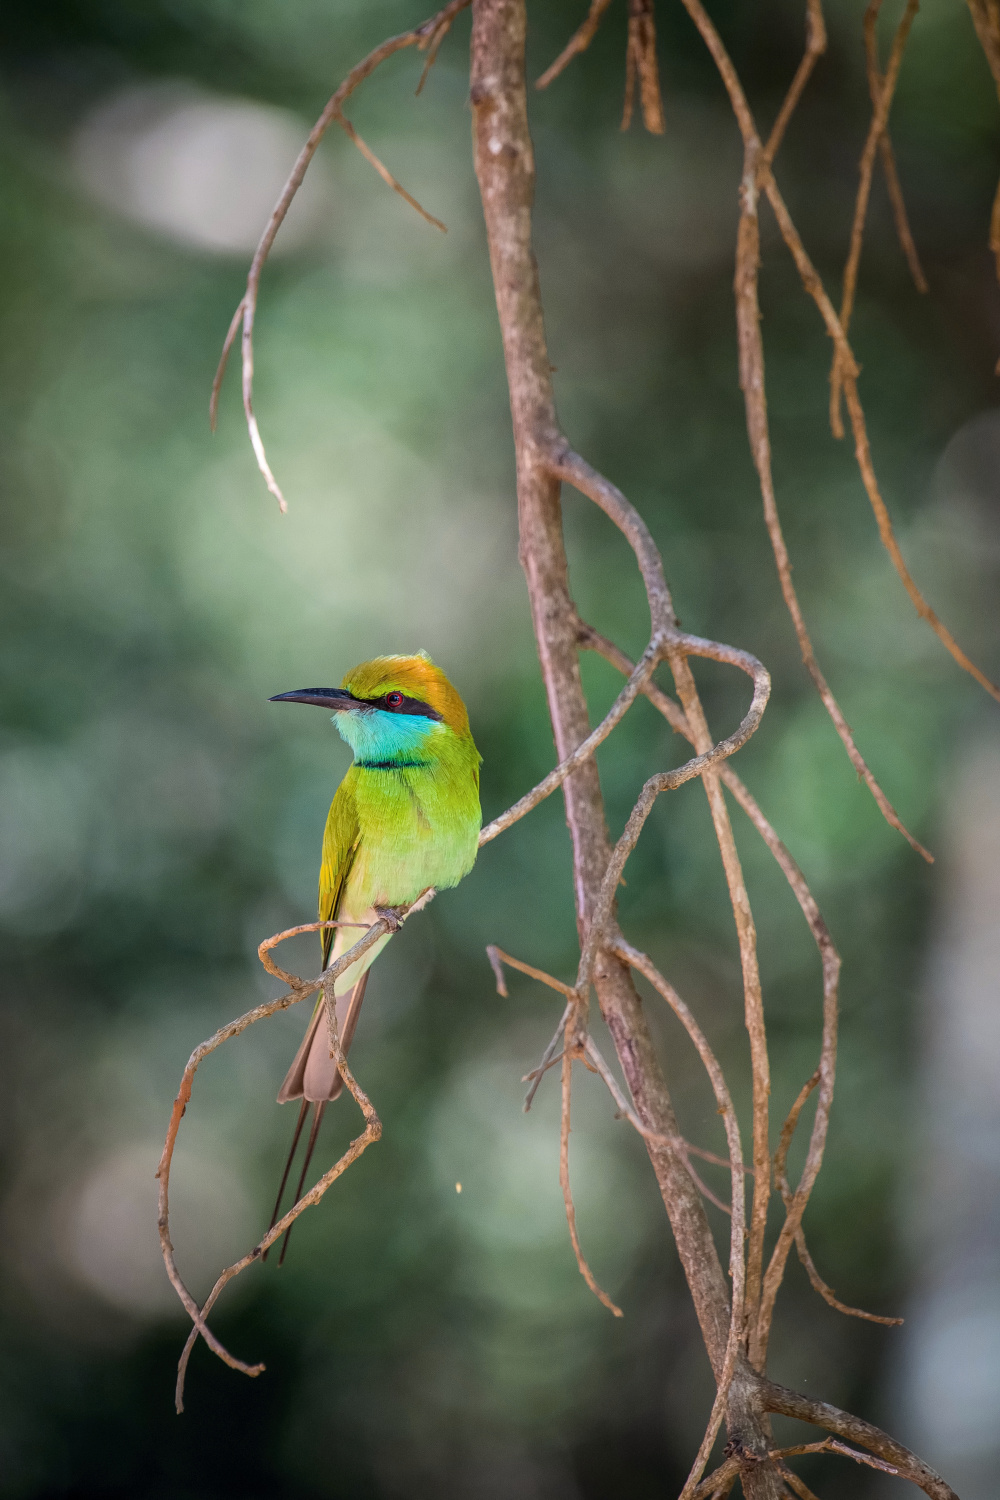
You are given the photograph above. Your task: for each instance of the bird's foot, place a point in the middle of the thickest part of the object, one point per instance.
(391, 914)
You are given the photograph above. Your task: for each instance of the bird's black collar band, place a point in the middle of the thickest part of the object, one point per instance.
(390, 765)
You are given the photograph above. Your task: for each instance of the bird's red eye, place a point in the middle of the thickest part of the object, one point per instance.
(393, 700)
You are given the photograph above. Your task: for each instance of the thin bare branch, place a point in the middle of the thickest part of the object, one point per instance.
(737, 1265)
(795, 1484)
(781, 1179)
(371, 1133)
(564, 1125)
(903, 231)
(647, 665)
(548, 1058)
(751, 349)
(578, 42)
(816, 41)
(264, 950)
(420, 36)
(626, 1112)
(830, 1445)
(387, 177)
(432, 46)
(763, 180)
(663, 781)
(641, 64)
(862, 453)
(497, 957)
(827, 1292)
(882, 102)
(675, 716)
(299, 990)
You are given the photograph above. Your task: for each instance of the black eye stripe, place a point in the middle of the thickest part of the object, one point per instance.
(408, 706)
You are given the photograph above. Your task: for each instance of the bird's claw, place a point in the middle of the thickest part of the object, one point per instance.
(393, 915)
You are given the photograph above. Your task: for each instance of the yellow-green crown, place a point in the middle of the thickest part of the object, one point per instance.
(417, 677)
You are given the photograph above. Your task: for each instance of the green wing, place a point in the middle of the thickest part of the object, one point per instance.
(340, 846)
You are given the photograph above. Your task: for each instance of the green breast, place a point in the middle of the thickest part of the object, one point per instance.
(419, 824)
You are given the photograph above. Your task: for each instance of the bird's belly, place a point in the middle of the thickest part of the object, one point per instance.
(409, 841)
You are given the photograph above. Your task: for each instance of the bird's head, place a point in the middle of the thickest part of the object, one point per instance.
(391, 708)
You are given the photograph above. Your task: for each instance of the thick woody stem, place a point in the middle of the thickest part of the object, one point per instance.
(504, 163)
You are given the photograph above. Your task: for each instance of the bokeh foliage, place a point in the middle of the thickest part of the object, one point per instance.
(158, 818)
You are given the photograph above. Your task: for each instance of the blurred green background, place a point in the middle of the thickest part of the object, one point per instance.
(158, 818)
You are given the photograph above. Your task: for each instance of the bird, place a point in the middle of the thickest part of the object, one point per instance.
(403, 823)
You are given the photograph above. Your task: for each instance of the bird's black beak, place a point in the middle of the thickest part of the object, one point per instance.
(332, 698)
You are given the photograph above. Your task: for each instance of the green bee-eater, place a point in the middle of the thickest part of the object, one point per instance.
(404, 820)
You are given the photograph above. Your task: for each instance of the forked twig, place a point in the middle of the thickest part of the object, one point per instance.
(762, 179)
(550, 783)
(675, 716)
(816, 41)
(299, 990)
(737, 1265)
(564, 1126)
(831, 1445)
(428, 34)
(751, 352)
(881, 102)
(795, 1484)
(875, 84)
(372, 1132)
(578, 42)
(641, 64)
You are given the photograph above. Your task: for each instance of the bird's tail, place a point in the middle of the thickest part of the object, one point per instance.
(315, 1079)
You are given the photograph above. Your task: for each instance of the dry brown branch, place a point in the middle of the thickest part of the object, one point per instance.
(881, 102)
(794, 1224)
(641, 64)
(752, 381)
(831, 972)
(372, 1132)
(827, 1292)
(497, 957)
(987, 24)
(626, 1112)
(433, 47)
(816, 40)
(299, 990)
(737, 1266)
(762, 180)
(564, 1119)
(662, 781)
(680, 645)
(734, 1327)
(875, 85)
(426, 35)
(830, 1445)
(795, 1484)
(647, 665)
(578, 42)
(505, 171)
(549, 1058)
